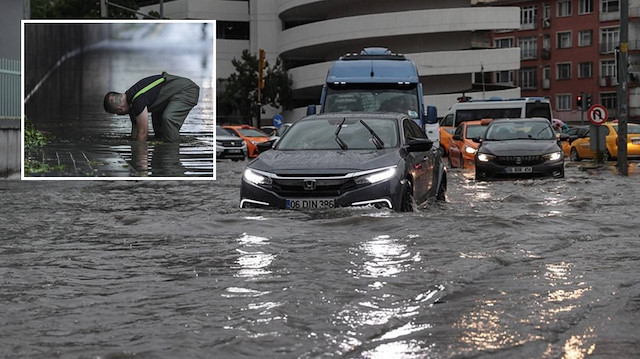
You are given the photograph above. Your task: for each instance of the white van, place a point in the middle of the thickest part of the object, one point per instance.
(509, 108)
(493, 108)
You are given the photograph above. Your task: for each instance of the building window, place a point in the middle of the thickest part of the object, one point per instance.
(563, 102)
(528, 47)
(585, 38)
(232, 30)
(608, 6)
(546, 77)
(608, 68)
(504, 77)
(503, 43)
(585, 70)
(610, 101)
(585, 7)
(609, 39)
(563, 39)
(564, 8)
(563, 71)
(528, 16)
(546, 11)
(527, 78)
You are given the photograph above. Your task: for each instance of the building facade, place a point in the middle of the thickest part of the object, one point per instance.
(450, 41)
(568, 48)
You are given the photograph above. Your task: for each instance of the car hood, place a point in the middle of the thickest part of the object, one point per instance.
(228, 138)
(324, 161)
(519, 147)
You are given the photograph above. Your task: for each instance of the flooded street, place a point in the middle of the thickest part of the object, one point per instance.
(508, 269)
(88, 142)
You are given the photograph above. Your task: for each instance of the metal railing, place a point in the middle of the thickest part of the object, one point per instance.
(9, 88)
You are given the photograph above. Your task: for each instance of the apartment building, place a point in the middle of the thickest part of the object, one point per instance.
(569, 48)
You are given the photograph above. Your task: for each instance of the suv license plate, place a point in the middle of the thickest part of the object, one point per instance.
(518, 169)
(234, 151)
(316, 203)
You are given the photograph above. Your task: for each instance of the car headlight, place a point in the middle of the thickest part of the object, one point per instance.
(553, 156)
(470, 150)
(256, 178)
(378, 176)
(485, 157)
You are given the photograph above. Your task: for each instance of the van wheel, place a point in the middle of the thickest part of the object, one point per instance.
(573, 155)
(407, 197)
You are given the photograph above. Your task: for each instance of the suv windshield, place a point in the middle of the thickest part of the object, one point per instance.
(519, 130)
(475, 131)
(321, 134)
(372, 98)
(224, 132)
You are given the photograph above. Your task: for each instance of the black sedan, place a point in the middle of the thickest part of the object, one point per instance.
(519, 147)
(346, 159)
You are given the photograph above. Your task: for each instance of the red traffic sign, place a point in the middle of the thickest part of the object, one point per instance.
(597, 114)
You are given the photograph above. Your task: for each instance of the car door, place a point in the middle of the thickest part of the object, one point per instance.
(455, 150)
(421, 164)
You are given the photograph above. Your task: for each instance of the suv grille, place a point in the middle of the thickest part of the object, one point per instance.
(519, 160)
(291, 188)
(232, 143)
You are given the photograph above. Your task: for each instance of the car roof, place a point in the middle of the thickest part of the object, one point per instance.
(357, 115)
(537, 119)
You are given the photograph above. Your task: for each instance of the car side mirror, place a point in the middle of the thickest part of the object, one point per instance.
(432, 114)
(457, 137)
(419, 145)
(477, 139)
(265, 146)
(311, 110)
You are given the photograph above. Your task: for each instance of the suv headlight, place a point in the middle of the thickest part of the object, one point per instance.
(485, 157)
(470, 150)
(553, 156)
(378, 176)
(256, 178)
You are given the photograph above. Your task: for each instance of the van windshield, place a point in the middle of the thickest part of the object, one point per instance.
(480, 113)
(372, 98)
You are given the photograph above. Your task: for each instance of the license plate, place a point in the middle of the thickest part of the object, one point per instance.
(518, 169)
(316, 203)
(234, 151)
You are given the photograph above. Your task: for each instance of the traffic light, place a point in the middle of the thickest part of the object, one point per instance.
(589, 100)
(579, 102)
(262, 64)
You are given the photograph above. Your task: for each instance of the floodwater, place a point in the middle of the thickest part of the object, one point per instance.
(87, 142)
(545, 268)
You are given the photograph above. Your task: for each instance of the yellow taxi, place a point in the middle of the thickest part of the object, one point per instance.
(581, 147)
(462, 148)
(251, 136)
(574, 133)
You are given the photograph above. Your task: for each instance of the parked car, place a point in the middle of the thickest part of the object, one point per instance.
(581, 147)
(347, 159)
(251, 136)
(462, 151)
(280, 131)
(269, 130)
(229, 145)
(574, 133)
(519, 147)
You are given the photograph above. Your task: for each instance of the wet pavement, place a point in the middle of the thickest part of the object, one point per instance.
(87, 142)
(544, 268)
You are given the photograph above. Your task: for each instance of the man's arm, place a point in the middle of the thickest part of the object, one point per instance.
(141, 126)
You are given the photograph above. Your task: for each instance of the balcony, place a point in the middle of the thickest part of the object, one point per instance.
(608, 47)
(608, 81)
(609, 16)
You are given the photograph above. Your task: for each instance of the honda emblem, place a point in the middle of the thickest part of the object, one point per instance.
(309, 185)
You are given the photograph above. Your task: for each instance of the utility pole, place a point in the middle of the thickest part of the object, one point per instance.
(161, 9)
(26, 9)
(103, 9)
(622, 87)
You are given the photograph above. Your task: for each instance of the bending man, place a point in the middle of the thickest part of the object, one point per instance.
(168, 98)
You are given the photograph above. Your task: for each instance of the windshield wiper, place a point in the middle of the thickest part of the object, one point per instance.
(338, 139)
(376, 139)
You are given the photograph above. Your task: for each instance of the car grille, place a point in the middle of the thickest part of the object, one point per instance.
(230, 143)
(519, 160)
(295, 188)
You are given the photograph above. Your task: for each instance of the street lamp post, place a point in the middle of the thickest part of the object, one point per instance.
(623, 73)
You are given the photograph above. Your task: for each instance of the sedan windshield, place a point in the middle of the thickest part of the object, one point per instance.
(340, 133)
(520, 130)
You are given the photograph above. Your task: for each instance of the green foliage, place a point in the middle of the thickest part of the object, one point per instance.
(77, 9)
(33, 137)
(240, 95)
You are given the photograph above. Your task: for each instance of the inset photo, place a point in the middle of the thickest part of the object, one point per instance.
(118, 100)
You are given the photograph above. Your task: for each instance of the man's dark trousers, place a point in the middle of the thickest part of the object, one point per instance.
(177, 97)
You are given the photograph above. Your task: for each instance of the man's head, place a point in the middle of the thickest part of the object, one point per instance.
(115, 102)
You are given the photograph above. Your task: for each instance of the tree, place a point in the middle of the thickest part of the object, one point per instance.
(240, 95)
